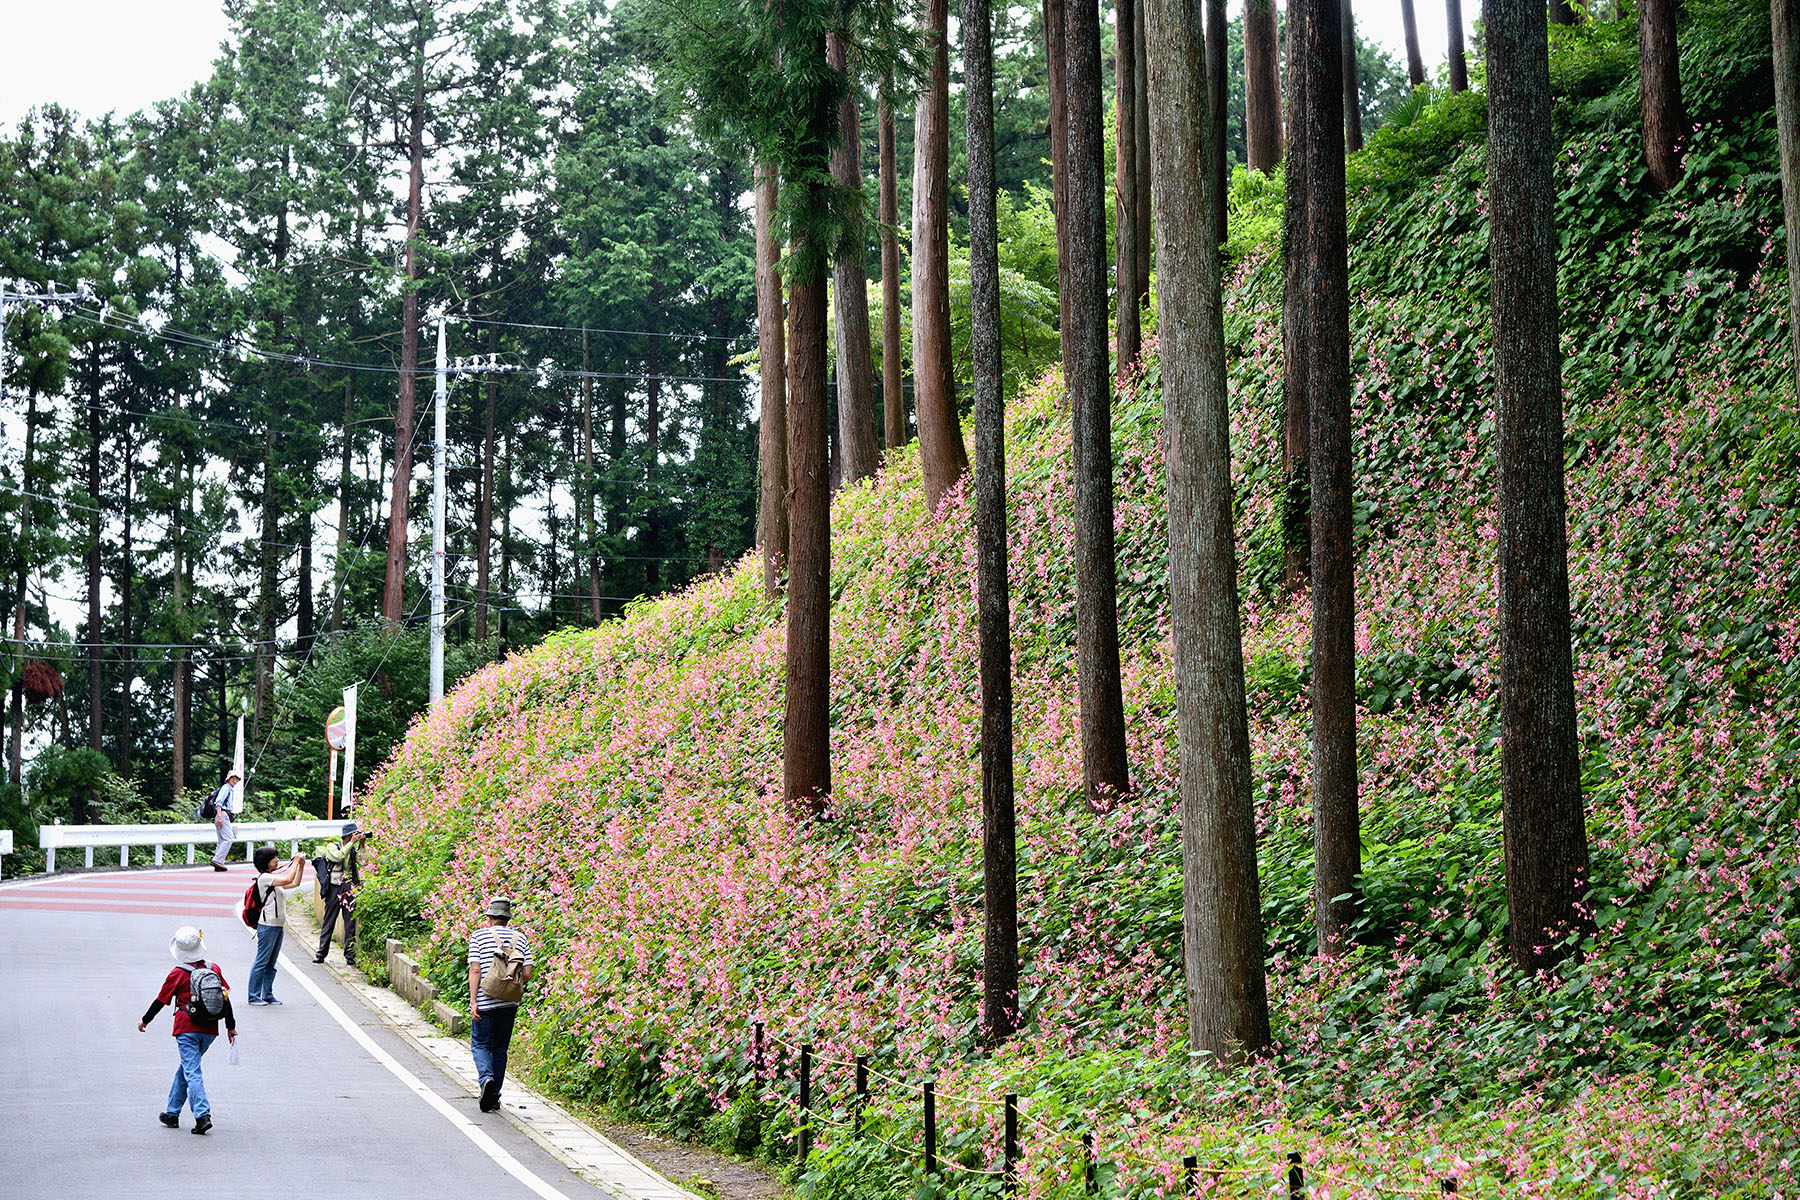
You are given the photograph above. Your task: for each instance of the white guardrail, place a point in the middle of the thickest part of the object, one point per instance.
(247, 834)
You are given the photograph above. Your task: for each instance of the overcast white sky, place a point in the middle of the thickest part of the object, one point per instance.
(101, 55)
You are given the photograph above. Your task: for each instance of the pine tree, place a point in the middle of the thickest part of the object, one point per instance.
(1125, 182)
(1459, 64)
(1409, 23)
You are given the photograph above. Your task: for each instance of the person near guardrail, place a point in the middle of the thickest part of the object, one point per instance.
(500, 966)
(338, 885)
(222, 810)
(197, 989)
(272, 927)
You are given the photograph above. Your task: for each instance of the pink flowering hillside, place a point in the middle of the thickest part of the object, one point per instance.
(623, 783)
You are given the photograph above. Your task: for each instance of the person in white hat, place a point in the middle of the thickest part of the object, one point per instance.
(197, 989)
(221, 805)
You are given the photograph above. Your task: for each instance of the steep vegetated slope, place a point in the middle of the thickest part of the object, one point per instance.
(624, 784)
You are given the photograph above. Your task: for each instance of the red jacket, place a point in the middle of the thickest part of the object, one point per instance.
(176, 990)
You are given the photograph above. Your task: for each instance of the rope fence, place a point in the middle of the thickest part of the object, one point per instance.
(1191, 1176)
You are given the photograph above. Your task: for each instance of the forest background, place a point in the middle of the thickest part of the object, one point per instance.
(195, 507)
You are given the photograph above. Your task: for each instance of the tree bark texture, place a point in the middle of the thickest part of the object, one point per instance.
(999, 849)
(1125, 184)
(893, 352)
(1562, 12)
(850, 294)
(392, 598)
(484, 524)
(1664, 115)
(1142, 126)
(1222, 931)
(1353, 136)
(1296, 410)
(267, 592)
(1458, 58)
(1262, 86)
(1540, 769)
(806, 732)
(1085, 363)
(1056, 68)
(1316, 167)
(340, 562)
(1409, 23)
(772, 511)
(1217, 85)
(589, 529)
(1784, 21)
(942, 454)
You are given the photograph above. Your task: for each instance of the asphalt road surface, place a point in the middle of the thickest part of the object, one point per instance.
(312, 1110)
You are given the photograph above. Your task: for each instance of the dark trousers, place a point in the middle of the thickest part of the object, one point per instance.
(339, 899)
(490, 1035)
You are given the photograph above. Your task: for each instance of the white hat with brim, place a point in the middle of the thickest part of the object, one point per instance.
(188, 945)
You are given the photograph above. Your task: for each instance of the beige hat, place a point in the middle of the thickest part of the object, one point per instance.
(188, 945)
(499, 908)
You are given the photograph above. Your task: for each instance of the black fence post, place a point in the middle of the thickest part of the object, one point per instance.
(930, 1128)
(1296, 1177)
(759, 1053)
(862, 1093)
(1190, 1176)
(1448, 1186)
(1012, 1142)
(1092, 1169)
(805, 1101)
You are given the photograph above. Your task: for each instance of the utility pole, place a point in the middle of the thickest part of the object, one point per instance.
(437, 520)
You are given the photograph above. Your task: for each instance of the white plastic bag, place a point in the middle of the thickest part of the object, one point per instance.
(231, 1053)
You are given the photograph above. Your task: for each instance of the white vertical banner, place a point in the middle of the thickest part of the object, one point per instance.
(237, 764)
(349, 798)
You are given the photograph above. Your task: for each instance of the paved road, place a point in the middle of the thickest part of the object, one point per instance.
(309, 1111)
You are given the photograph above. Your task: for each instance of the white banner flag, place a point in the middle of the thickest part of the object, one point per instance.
(349, 749)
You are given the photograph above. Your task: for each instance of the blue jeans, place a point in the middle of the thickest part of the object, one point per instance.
(262, 972)
(490, 1034)
(188, 1087)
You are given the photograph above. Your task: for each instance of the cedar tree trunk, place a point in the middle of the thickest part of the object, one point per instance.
(1104, 770)
(1222, 931)
(999, 850)
(941, 450)
(1665, 117)
(1262, 86)
(772, 512)
(1540, 767)
(893, 353)
(850, 294)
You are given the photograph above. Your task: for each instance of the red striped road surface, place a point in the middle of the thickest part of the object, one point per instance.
(199, 892)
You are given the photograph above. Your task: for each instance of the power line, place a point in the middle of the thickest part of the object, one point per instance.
(714, 337)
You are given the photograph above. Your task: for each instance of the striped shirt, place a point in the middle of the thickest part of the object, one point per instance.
(488, 939)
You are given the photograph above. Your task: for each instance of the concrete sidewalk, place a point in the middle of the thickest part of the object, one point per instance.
(341, 1087)
(591, 1155)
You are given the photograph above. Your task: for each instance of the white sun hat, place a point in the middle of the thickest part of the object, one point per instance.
(188, 945)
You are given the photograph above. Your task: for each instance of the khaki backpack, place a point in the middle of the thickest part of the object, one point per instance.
(504, 981)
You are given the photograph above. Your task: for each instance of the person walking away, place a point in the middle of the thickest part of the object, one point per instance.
(223, 806)
(339, 885)
(197, 990)
(500, 965)
(271, 878)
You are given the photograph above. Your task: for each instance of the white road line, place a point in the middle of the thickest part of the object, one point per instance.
(468, 1128)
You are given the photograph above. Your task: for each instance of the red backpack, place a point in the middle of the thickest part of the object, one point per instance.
(254, 900)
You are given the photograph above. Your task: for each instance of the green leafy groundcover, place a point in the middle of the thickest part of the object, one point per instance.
(623, 783)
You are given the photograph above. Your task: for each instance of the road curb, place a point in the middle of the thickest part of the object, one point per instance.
(590, 1155)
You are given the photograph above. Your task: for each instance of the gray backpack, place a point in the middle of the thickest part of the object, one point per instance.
(206, 992)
